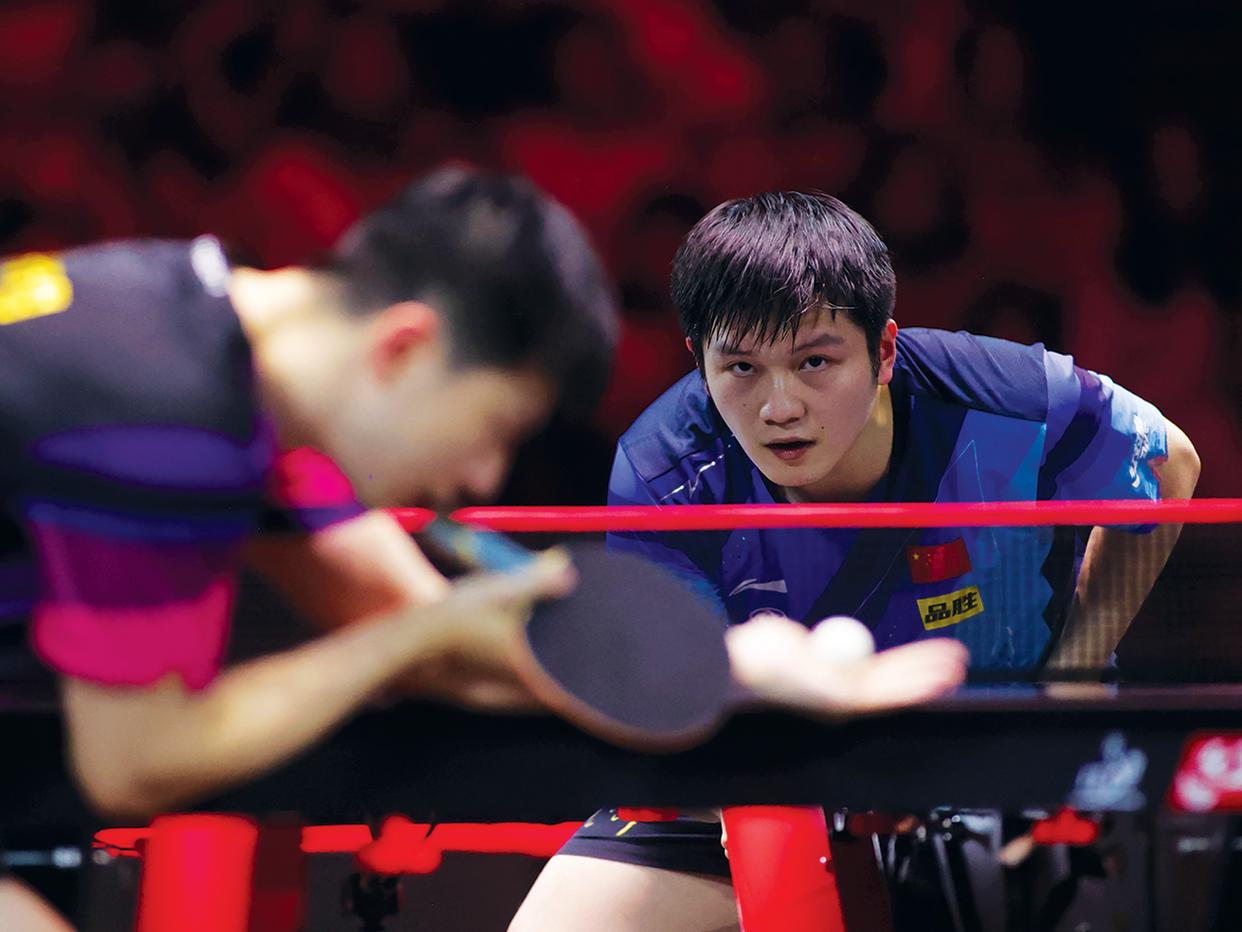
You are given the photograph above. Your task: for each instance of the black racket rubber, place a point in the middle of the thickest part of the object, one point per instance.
(631, 655)
(635, 645)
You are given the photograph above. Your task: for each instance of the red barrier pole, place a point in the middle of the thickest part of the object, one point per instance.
(277, 898)
(782, 869)
(196, 874)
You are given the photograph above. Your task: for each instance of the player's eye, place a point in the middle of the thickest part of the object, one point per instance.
(740, 368)
(815, 363)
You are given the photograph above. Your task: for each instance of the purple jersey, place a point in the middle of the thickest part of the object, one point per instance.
(136, 459)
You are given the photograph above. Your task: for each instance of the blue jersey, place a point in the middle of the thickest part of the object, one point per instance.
(976, 419)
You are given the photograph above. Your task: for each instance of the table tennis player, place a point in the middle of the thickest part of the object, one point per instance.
(805, 391)
(146, 388)
(146, 391)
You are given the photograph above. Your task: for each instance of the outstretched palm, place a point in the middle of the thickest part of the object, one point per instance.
(772, 656)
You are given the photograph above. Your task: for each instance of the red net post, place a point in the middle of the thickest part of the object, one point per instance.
(197, 873)
(782, 869)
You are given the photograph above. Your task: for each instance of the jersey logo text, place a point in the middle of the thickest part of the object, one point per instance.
(940, 611)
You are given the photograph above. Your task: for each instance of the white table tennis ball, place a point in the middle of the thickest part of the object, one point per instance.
(842, 640)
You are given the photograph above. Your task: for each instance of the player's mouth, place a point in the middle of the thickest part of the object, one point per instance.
(790, 450)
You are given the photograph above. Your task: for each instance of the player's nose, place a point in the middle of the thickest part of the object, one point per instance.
(782, 405)
(482, 476)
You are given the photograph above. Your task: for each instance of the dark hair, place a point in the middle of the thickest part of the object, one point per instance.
(755, 265)
(510, 269)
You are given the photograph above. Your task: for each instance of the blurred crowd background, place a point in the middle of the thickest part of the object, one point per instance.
(1064, 172)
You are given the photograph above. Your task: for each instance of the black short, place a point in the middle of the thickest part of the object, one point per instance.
(685, 845)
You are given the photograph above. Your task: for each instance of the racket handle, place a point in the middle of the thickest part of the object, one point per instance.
(482, 550)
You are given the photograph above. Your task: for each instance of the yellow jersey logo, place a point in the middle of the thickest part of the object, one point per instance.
(940, 611)
(33, 286)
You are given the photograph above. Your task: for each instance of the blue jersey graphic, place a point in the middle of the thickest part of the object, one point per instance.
(976, 419)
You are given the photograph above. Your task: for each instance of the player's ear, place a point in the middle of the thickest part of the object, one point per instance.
(690, 349)
(888, 353)
(401, 331)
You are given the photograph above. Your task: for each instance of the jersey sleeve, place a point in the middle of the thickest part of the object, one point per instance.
(126, 600)
(1103, 442)
(136, 533)
(307, 493)
(685, 554)
(137, 582)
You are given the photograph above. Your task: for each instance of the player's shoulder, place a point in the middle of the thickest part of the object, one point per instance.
(175, 266)
(977, 372)
(678, 425)
(143, 334)
(122, 252)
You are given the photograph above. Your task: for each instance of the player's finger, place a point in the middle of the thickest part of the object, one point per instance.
(550, 575)
(912, 673)
(914, 688)
(495, 696)
(937, 652)
(555, 576)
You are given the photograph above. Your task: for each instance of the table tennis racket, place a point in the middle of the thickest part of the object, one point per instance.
(631, 655)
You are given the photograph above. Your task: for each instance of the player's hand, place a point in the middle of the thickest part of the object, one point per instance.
(478, 626)
(772, 657)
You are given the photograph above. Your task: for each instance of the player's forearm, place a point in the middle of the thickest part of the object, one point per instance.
(1119, 569)
(354, 570)
(252, 718)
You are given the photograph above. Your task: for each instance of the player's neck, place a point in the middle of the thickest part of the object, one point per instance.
(297, 343)
(864, 463)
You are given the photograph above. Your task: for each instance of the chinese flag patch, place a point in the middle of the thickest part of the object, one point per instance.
(937, 562)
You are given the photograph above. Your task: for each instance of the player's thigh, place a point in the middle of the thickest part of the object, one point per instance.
(575, 893)
(22, 908)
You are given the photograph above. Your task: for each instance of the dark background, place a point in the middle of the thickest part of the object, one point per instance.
(1056, 171)
(1051, 171)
